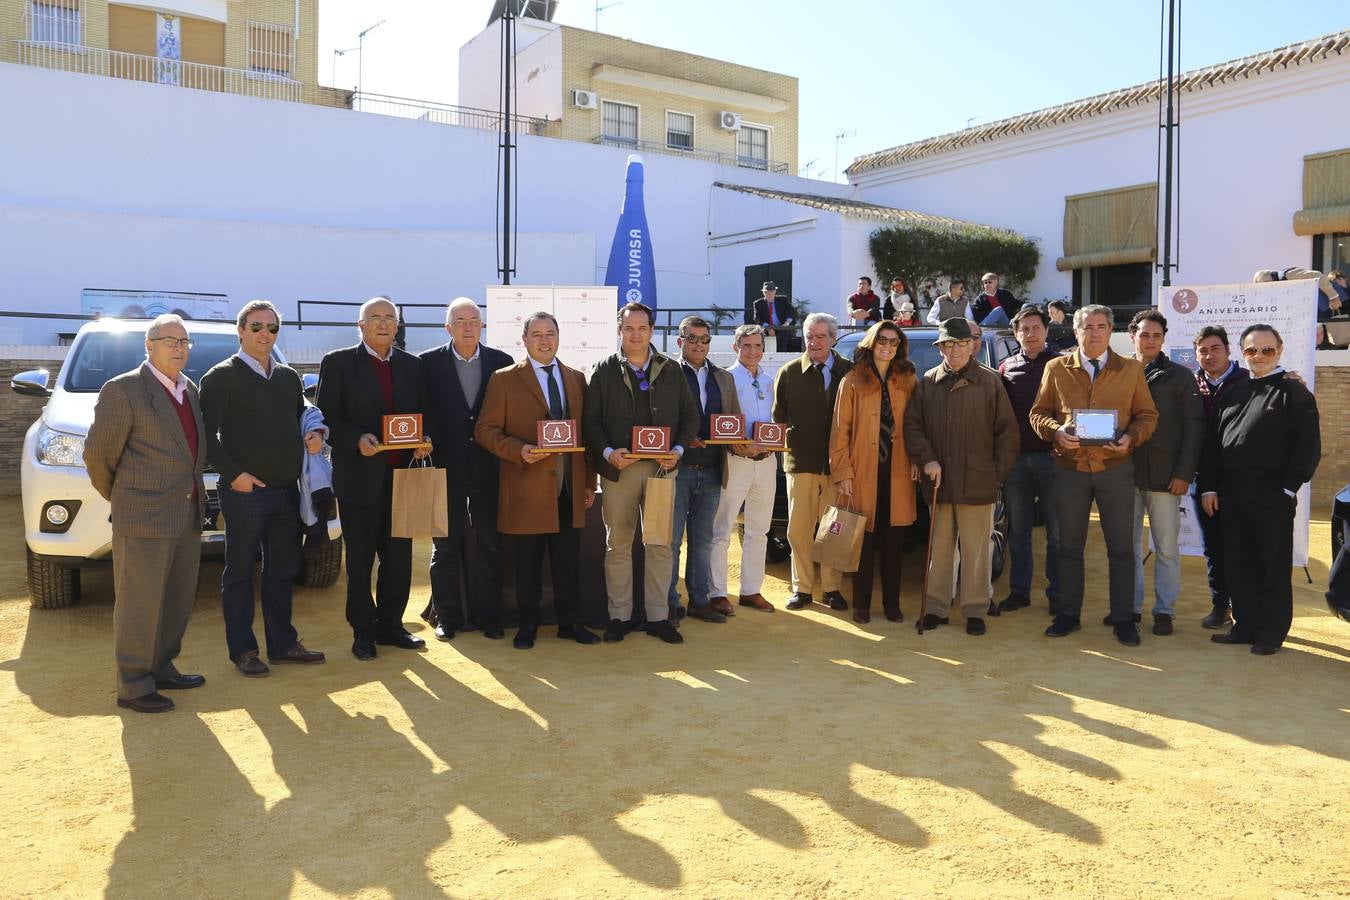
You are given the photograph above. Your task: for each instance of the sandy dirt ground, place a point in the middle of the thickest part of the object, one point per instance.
(778, 755)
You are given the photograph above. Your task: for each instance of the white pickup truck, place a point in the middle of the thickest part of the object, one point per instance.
(66, 522)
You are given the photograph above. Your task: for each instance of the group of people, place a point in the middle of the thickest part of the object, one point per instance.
(860, 433)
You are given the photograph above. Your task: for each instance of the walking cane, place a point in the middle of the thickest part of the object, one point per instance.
(928, 561)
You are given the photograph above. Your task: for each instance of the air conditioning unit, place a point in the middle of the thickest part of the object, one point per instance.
(729, 121)
(585, 100)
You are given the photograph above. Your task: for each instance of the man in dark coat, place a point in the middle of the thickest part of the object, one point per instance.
(775, 313)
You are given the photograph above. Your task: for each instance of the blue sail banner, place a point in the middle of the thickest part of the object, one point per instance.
(631, 268)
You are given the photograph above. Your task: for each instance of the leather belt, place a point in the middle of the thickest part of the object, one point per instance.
(763, 456)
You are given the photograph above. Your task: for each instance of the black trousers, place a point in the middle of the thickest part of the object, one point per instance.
(475, 504)
(365, 531)
(887, 539)
(1257, 518)
(564, 554)
(1211, 535)
(1338, 586)
(1113, 490)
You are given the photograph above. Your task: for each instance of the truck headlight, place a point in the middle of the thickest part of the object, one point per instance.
(56, 448)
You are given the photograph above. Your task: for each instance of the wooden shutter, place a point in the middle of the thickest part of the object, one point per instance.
(1326, 194)
(1110, 228)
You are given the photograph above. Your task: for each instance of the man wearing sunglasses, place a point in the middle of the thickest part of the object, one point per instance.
(1264, 443)
(252, 407)
(635, 386)
(144, 453)
(702, 475)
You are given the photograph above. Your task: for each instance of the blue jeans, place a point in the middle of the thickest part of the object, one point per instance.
(266, 522)
(696, 494)
(1032, 476)
(1164, 524)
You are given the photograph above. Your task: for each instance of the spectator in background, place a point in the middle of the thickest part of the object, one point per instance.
(1324, 341)
(1033, 474)
(777, 316)
(864, 306)
(1329, 302)
(1059, 333)
(1164, 467)
(906, 316)
(951, 305)
(991, 298)
(898, 298)
(1059, 311)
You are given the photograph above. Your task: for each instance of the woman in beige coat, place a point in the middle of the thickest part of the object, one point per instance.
(869, 466)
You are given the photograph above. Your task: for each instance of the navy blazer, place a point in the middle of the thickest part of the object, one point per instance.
(451, 420)
(349, 397)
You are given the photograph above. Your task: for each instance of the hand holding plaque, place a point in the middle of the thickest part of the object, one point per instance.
(556, 436)
(1094, 427)
(726, 429)
(403, 431)
(771, 436)
(651, 442)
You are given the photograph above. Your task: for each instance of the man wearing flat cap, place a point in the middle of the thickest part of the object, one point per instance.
(776, 315)
(960, 430)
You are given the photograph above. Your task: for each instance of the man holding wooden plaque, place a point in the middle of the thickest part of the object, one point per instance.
(751, 476)
(358, 388)
(529, 421)
(639, 417)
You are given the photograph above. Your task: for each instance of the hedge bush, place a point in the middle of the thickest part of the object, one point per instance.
(921, 253)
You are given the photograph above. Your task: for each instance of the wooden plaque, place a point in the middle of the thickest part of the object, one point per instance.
(726, 429)
(650, 442)
(403, 431)
(556, 436)
(771, 436)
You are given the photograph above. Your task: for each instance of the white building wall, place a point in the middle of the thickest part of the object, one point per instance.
(172, 189)
(1241, 180)
(538, 70)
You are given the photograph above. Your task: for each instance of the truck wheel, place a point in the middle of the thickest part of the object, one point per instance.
(51, 586)
(324, 569)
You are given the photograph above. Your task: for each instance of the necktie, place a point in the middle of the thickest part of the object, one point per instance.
(818, 374)
(1096, 368)
(556, 411)
(773, 313)
(887, 423)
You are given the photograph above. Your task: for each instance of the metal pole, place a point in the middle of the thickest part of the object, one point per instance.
(508, 143)
(1167, 175)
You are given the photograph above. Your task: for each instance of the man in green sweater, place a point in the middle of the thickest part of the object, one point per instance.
(251, 406)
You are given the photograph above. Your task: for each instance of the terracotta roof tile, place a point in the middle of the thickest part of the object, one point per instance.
(854, 209)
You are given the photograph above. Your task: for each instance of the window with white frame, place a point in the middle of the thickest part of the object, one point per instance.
(752, 147)
(619, 122)
(679, 130)
(56, 21)
(270, 50)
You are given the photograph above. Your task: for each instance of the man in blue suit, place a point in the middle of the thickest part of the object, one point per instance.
(456, 376)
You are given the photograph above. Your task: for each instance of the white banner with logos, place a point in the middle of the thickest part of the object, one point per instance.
(587, 327)
(1289, 306)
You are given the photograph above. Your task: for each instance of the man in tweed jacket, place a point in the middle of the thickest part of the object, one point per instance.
(145, 452)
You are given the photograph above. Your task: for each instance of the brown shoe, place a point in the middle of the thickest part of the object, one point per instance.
(297, 654)
(722, 605)
(756, 601)
(250, 666)
(706, 613)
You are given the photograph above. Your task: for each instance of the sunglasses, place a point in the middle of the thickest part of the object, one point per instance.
(888, 341)
(641, 377)
(272, 327)
(1260, 351)
(696, 338)
(759, 392)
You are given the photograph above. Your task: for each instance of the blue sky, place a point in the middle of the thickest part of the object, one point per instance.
(890, 72)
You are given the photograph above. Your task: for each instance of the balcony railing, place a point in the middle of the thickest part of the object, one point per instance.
(724, 159)
(443, 113)
(176, 73)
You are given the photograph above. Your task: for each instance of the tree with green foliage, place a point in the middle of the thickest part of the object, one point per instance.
(919, 253)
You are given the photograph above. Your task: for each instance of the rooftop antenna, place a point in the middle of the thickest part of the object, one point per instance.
(601, 7)
(839, 138)
(361, 53)
(336, 54)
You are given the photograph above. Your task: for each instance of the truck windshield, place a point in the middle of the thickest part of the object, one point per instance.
(101, 355)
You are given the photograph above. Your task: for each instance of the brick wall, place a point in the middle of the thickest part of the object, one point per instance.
(1333, 404)
(16, 414)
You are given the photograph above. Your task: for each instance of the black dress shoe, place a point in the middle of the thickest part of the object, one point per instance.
(1062, 626)
(1219, 617)
(993, 610)
(975, 626)
(1110, 623)
(1162, 624)
(443, 632)
(894, 615)
(615, 631)
(1127, 633)
(1229, 637)
(665, 631)
(525, 636)
(493, 632)
(1265, 649)
(836, 601)
(932, 620)
(179, 682)
(1013, 601)
(363, 648)
(147, 703)
(401, 639)
(798, 601)
(578, 633)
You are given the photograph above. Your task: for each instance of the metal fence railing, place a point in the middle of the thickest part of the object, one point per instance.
(171, 72)
(442, 113)
(725, 159)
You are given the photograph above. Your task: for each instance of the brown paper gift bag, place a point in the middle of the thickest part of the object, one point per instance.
(419, 508)
(839, 539)
(658, 511)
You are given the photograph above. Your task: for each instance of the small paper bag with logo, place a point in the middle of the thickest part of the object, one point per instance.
(419, 507)
(658, 510)
(839, 539)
